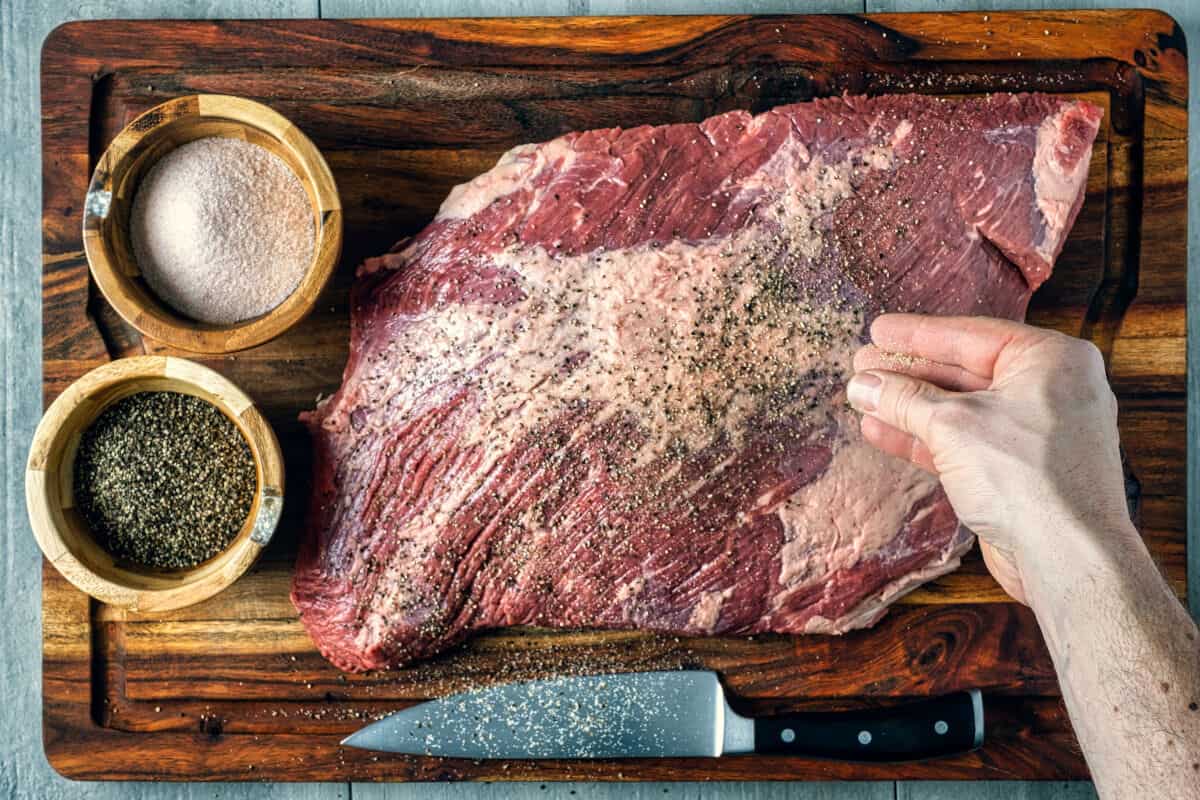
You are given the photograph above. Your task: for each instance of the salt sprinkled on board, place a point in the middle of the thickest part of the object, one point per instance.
(222, 230)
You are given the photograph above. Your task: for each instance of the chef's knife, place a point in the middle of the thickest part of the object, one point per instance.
(661, 714)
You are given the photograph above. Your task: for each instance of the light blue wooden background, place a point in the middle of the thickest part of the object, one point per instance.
(23, 769)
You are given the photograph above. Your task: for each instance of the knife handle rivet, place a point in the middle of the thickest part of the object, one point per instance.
(788, 735)
(864, 737)
(940, 727)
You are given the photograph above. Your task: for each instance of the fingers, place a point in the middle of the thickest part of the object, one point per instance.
(897, 443)
(901, 401)
(947, 376)
(972, 343)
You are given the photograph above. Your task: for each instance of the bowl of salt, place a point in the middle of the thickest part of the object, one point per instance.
(212, 224)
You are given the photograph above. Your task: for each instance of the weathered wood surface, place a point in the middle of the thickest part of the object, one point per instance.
(24, 773)
(397, 138)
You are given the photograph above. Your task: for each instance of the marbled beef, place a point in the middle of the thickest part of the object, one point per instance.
(604, 387)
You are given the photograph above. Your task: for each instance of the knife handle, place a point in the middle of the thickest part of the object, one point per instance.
(942, 726)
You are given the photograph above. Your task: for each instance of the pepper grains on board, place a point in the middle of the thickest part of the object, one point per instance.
(164, 479)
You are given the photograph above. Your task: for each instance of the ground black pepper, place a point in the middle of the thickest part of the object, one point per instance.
(164, 479)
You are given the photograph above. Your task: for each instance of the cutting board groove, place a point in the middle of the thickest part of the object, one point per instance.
(232, 689)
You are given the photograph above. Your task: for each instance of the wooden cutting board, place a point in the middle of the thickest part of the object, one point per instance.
(403, 110)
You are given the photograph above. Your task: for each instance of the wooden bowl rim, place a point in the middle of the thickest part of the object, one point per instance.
(202, 581)
(159, 321)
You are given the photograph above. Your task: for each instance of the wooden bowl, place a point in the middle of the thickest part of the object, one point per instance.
(110, 199)
(65, 538)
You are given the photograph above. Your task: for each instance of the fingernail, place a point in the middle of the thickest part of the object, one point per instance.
(863, 391)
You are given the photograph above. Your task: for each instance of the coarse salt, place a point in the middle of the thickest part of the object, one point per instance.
(222, 230)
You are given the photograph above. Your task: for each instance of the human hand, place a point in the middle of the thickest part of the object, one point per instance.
(1018, 422)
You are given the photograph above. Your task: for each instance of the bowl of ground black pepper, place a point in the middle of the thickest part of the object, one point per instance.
(153, 483)
(212, 224)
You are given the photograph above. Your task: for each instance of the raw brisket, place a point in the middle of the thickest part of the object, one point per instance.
(604, 387)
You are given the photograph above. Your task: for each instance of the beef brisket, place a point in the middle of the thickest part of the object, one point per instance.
(604, 387)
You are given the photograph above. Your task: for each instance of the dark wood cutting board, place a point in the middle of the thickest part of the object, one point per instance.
(403, 110)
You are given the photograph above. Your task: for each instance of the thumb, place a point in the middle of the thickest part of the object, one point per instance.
(901, 401)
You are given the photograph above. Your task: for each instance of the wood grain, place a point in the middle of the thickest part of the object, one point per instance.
(405, 109)
(25, 775)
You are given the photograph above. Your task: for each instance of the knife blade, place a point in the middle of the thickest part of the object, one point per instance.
(662, 714)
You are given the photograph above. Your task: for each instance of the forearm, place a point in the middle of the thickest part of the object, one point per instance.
(1128, 659)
